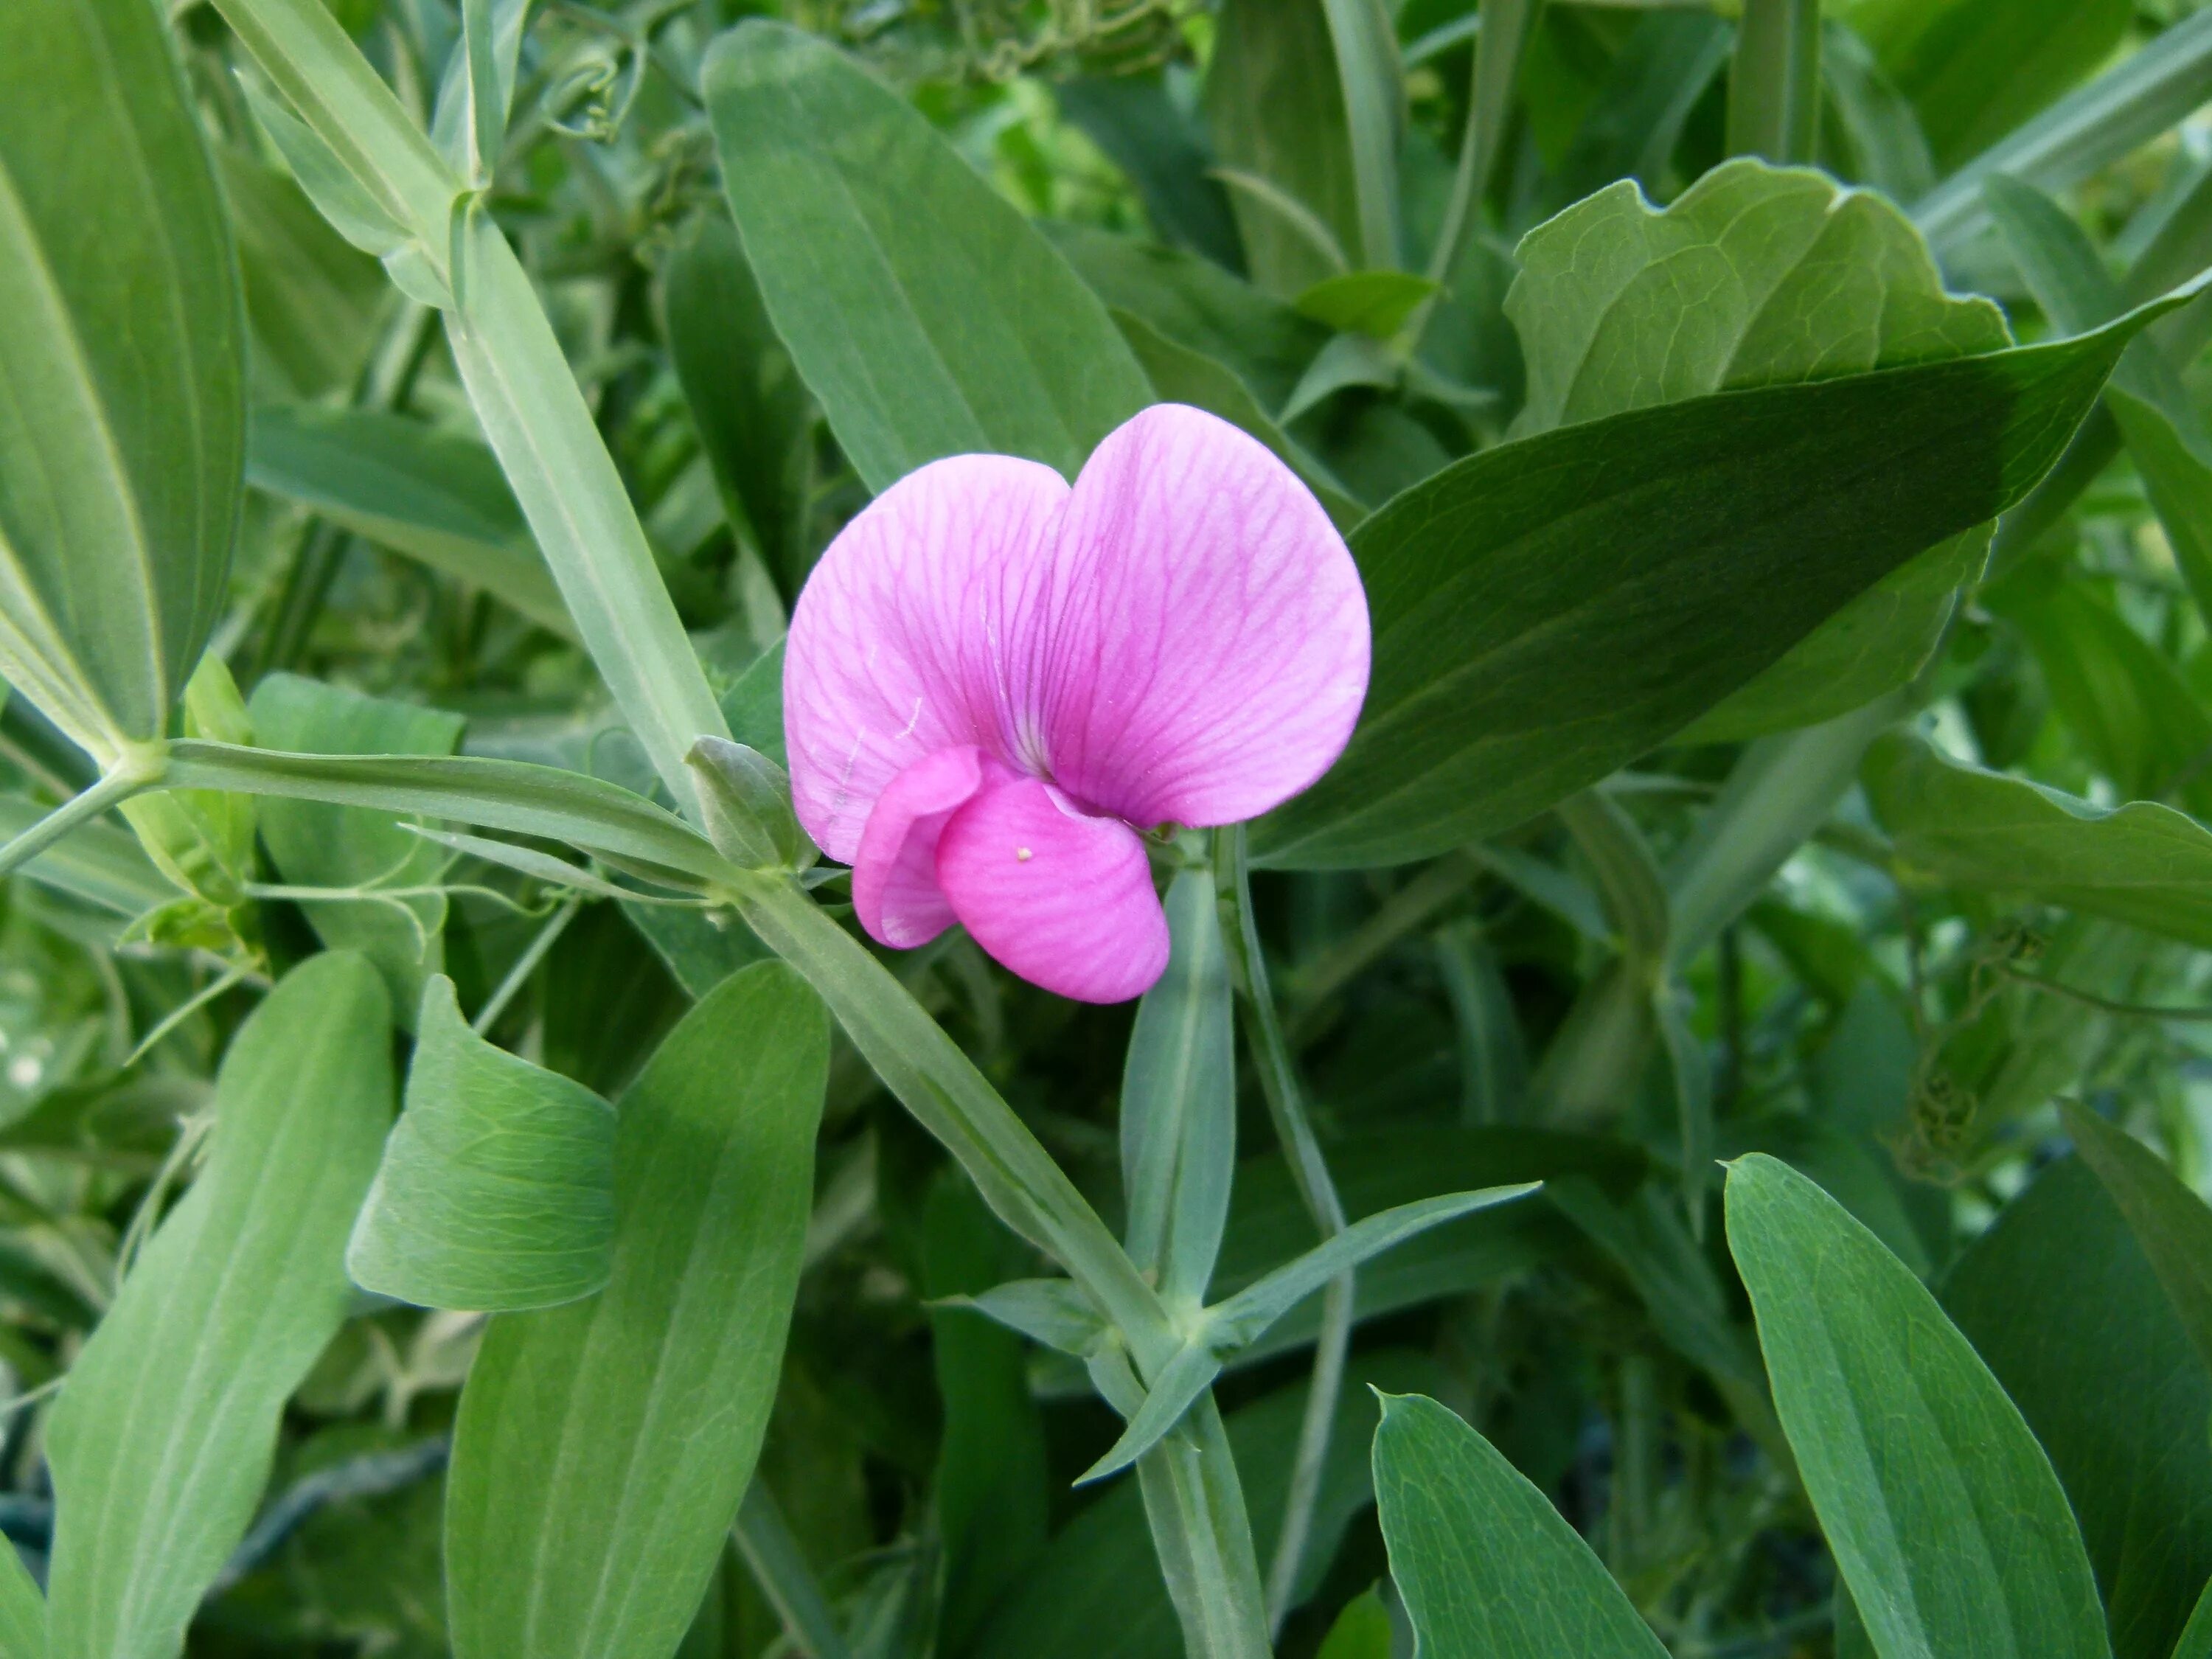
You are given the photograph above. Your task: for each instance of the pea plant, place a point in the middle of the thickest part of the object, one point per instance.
(1105, 829)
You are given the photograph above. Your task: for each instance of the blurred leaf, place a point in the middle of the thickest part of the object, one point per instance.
(1943, 1513)
(313, 300)
(754, 417)
(661, 1383)
(1754, 276)
(427, 494)
(22, 1608)
(2196, 1641)
(1377, 303)
(1179, 1104)
(1274, 104)
(496, 1190)
(1372, 80)
(920, 307)
(96, 862)
(1260, 338)
(1976, 69)
(329, 847)
(1634, 124)
(1135, 120)
(1362, 1631)
(162, 1440)
(2061, 1304)
(2142, 863)
(1547, 610)
(1487, 1567)
(122, 394)
(2171, 1223)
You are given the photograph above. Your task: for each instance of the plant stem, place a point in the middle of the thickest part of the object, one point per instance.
(123, 780)
(779, 1567)
(1774, 86)
(525, 966)
(1286, 1110)
(2103, 1004)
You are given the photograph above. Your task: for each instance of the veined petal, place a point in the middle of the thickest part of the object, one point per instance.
(1195, 649)
(892, 653)
(1063, 898)
(894, 890)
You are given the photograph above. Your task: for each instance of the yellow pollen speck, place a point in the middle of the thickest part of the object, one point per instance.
(1023, 855)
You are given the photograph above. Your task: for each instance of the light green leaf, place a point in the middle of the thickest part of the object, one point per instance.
(427, 494)
(496, 1191)
(1945, 1517)
(312, 302)
(2138, 98)
(2144, 864)
(514, 796)
(1362, 1631)
(1755, 275)
(1488, 1568)
(23, 1609)
(122, 372)
(96, 861)
(1171, 1395)
(1546, 611)
(530, 407)
(2061, 1304)
(333, 846)
(1976, 69)
(1377, 303)
(751, 409)
(1274, 103)
(1051, 1311)
(2172, 1225)
(923, 311)
(745, 799)
(1179, 1103)
(603, 1447)
(162, 1439)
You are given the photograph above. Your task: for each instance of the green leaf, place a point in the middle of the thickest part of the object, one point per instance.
(23, 1609)
(1656, 81)
(427, 494)
(122, 372)
(162, 1440)
(2138, 98)
(1976, 69)
(1179, 1103)
(1197, 306)
(1378, 303)
(1945, 1517)
(340, 847)
(2142, 863)
(495, 794)
(745, 798)
(923, 311)
(1274, 103)
(1136, 120)
(534, 414)
(2172, 1225)
(1549, 610)
(2061, 1304)
(752, 411)
(2196, 1642)
(1362, 1631)
(1373, 82)
(1487, 1567)
(312, 302)
(496, 1191)
(96, 861)
(1755, 275)
(656, 1391)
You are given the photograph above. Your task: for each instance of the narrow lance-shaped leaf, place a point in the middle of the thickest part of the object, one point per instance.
(1547, 609)
(1945, 1517)
(923, 311)
(496, 1190)
(163, 1438)
(657, 1390)
(1488, 1568)
(122, 372)
(1179, 1103)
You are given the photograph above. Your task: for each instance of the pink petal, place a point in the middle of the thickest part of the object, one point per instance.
(1196, 649)
(1063, 898)
(894, 890)
(890, 656)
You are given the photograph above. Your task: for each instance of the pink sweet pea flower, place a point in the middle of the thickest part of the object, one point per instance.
(994, 683)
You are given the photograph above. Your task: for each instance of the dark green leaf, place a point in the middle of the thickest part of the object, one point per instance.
(1137, 122)
(496, 1191)
(920, 307)
(122, 371)
(1945, 1517)
(162, 1440)
(1549, 610)
(602, 1448)
(1487, 1567)
(2172, 1225)
(2061, 1304)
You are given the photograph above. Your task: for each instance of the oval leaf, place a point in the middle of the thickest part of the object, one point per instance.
(1945, 1517)
(122, 371)
(496, 1191)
